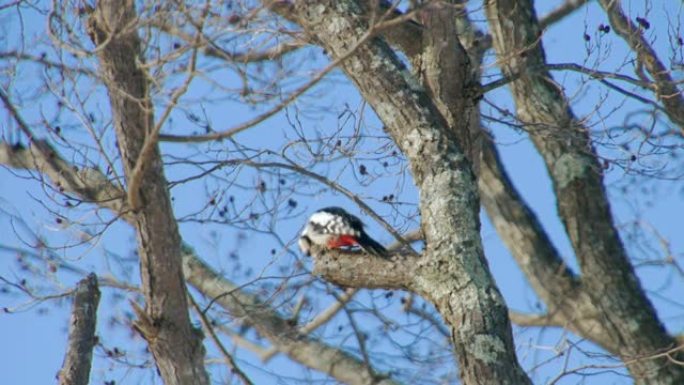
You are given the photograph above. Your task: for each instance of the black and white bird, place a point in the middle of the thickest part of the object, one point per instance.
(334, 228)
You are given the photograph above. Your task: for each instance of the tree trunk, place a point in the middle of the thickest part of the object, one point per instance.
(627, 323)
(452, 273)
(165, 324)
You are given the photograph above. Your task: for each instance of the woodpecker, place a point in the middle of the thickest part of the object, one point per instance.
(333, 228)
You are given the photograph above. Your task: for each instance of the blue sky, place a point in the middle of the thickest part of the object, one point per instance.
(33, 339)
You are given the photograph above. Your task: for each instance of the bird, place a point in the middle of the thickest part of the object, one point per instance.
(334, 228)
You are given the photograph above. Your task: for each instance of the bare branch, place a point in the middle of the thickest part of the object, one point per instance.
(361, 270)
(326, 315)
(560, 12)
(596, 74)
(609, 284)
(436, 322)
(519, 228)
(106, 281)
(289, 99)
(252, 57)
(666, 88)
(337, 187)
(284, 336)
(540, 320)
(342, 300)
(78, 358)
(90, 184)
(47, 63)
(212, 49)
(228, 358)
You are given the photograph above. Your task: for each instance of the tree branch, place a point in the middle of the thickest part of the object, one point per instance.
(209, 329)
(89, 184)
(286, 338)
(274, 110)
(539, 320)
(342, 300)
(519, 228)
(560, 12)
(665, 87)
(47, 63)
(277, 329)
(610, 287)
(78, 358)
(405, 34)
(361, 270)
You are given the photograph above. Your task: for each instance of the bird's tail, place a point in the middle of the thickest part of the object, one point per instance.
(370, 246)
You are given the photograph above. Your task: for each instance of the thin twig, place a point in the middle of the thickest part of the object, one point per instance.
(206, 325)
(289, 99)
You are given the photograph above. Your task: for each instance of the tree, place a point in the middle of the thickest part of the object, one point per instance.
(129, 114)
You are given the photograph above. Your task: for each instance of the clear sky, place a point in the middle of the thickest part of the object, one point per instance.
(33, 338)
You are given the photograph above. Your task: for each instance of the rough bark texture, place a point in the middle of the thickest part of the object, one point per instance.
(452, 273)
(82, 340)
(568, 305)
(629, 326)
(519, 227)
(362, 270)
(446, 73)
(174, 343)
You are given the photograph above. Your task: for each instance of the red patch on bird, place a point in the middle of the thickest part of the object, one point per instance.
(342, 241)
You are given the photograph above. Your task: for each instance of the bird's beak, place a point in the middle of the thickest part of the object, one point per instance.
(305, 245)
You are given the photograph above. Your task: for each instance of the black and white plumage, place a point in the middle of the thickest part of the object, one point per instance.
(333, 228)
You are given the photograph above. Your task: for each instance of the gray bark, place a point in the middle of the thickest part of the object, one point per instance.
(628, 324)
(452, 273)
(79, 355)
(363, 270)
